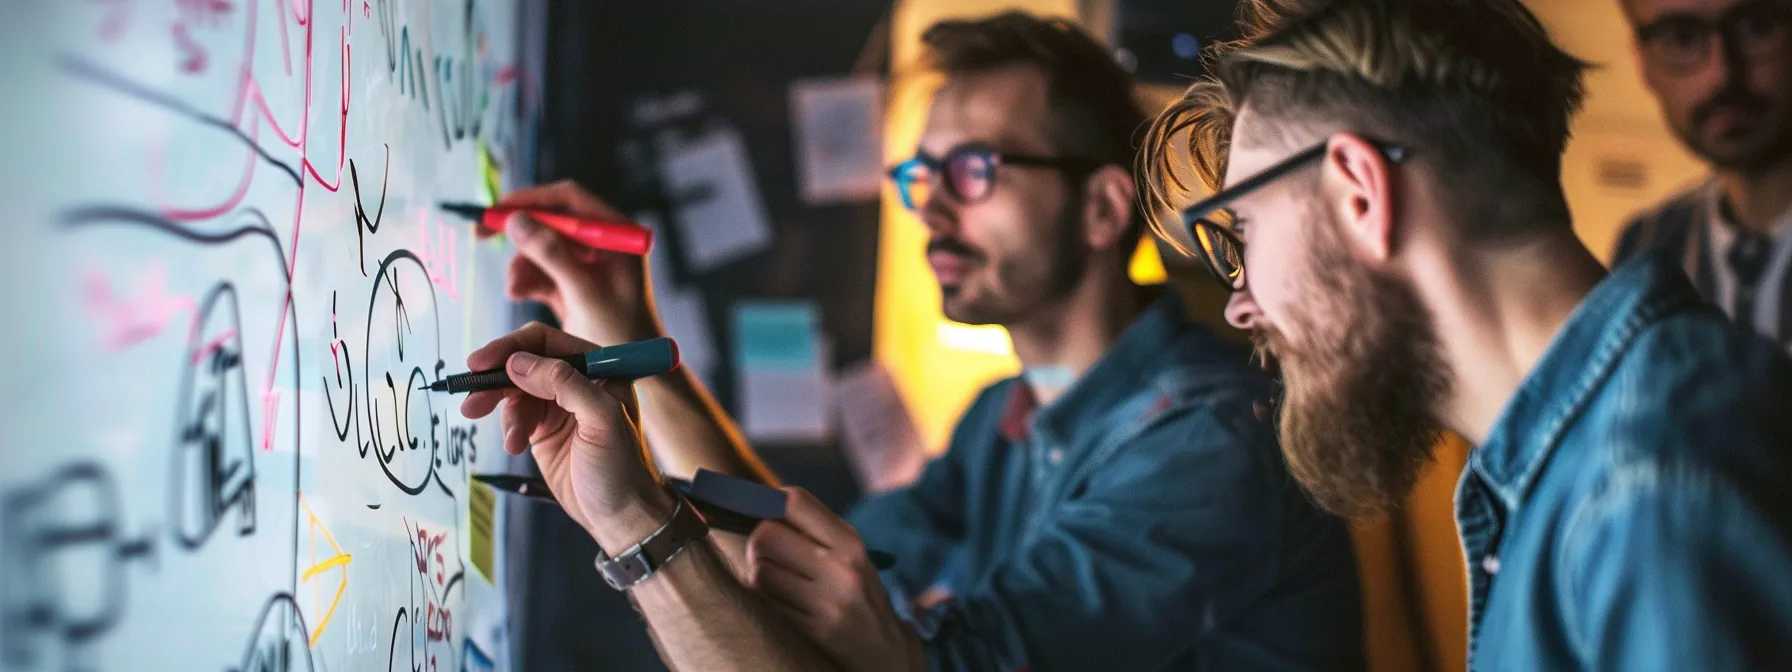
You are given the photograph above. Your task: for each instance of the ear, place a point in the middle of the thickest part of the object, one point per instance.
(1357, 187)
(1108, 197)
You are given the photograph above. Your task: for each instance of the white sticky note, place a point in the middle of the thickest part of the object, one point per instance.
(877, 432)
(720, 215)
(838, 130)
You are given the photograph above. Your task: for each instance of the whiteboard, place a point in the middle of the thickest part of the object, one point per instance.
(225, 277)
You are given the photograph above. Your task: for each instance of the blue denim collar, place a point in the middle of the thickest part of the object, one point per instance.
(1121, 372)
(1573, 369)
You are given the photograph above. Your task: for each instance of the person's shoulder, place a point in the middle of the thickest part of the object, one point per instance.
(1694, 426)
(1696, 393)
(1659, 224)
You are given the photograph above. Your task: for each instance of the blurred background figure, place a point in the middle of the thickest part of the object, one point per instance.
(1722, 71)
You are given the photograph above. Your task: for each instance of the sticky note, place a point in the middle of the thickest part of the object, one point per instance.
(482, 504)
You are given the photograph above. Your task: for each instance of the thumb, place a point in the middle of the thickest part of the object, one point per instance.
(556, 381)
(552, 253)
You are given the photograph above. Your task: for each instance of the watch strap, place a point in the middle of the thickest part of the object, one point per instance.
(641, 561)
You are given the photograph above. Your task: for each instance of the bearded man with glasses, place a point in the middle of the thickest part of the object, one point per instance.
(1394, 230)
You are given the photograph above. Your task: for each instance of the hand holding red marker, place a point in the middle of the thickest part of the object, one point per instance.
(614, 235)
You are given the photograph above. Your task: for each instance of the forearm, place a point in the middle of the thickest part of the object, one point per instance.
(686, 430)
(700, 615)
(702, 618)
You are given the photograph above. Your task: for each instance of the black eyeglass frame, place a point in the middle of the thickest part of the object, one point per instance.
(1725, 25)
(936, 167)
(1195, 217)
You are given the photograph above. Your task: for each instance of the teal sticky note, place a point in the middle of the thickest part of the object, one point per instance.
(777, 336)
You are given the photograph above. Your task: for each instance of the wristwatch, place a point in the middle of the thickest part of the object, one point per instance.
(641, 561)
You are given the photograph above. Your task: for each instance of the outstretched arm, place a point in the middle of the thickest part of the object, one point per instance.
(589, 450)
(606, 298)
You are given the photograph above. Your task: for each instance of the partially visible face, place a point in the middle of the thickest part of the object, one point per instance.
(1356, 349)
(1734, 109)
(1000, 259)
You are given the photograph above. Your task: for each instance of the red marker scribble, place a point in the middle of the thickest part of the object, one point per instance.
(439, 253)
(129, 320)
(112, 27)
(212, 346)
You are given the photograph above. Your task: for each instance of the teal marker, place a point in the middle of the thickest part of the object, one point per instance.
(628, 361)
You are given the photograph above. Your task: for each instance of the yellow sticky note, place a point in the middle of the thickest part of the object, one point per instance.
(482, 506)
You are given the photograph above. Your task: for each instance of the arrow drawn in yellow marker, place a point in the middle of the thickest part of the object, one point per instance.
(338, 560)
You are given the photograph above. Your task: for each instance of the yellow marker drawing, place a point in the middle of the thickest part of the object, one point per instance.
(339, 560)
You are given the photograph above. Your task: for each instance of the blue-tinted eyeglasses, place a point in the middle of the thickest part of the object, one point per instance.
(968, 172)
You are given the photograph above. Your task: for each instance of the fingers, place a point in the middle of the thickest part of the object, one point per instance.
(784, 587)
(813, 518)
(534, 337)
(596, 409)
(521, 417)
(563, 196)
(776, 542)
(558, 257)
(480, 404)
(527, 282)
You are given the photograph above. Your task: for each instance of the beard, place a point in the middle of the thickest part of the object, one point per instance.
(1356, 424)
(1770, 147)
(1022, 279)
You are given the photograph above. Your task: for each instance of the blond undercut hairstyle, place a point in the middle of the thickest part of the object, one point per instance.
(1474, 88)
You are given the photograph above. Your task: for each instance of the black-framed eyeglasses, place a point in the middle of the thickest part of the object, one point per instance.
(1209, 221)
(968, 172)
(1682, 43)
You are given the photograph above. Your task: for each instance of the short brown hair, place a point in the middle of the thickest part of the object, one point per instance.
(1090, 96)
(1473, 86)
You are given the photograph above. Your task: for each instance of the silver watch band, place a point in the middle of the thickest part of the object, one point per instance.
(641, 561)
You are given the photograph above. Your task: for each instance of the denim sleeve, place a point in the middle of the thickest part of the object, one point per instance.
(923, 524)
(1678, 569)
(1118, 576)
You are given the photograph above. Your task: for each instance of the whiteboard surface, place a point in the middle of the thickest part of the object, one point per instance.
(225, 276)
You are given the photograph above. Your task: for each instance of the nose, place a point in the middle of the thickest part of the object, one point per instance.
(1242, 310)
(939, 217)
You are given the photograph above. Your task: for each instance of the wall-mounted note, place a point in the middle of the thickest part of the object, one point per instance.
(781, 371)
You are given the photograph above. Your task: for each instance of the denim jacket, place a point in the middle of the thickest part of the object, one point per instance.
(1143, 521)
(1632, 507)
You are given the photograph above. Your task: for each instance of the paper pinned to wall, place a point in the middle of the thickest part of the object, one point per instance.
(838, 124)
(782, 380)
(720, 214)
(878, 434)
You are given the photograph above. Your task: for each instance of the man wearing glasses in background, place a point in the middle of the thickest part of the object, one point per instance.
(1121, 505)
(1395, 233)
(1722, 71)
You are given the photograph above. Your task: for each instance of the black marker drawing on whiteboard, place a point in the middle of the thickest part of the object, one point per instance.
(94, 73)
(363, 224)
(280, 641)
(462, 97)
(405, 429)
(213, 473)
(214, 454)
(48, 532)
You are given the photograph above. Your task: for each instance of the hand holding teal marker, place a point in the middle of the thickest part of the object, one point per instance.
(628, 361)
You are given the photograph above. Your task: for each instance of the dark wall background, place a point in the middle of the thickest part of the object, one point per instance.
(739, 57)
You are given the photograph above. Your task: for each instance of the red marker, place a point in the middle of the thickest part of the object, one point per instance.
(614, 235)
